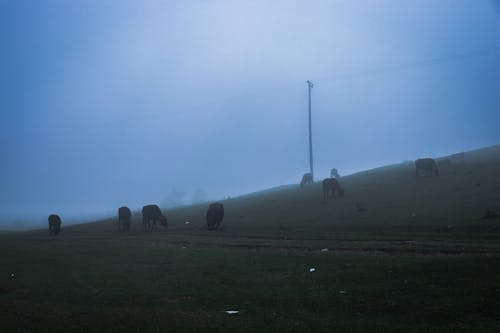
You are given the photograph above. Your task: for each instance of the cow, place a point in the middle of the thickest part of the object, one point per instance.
(426, 167)
(215, 215)
(124, 215)
(334, 173)
(152, 213)
(331, 185)
(54, 224)
(307, 178)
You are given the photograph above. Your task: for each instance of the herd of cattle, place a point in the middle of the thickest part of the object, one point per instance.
(152, 215)
(423, 167)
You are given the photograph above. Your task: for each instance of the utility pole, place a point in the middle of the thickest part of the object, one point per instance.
(309, 86)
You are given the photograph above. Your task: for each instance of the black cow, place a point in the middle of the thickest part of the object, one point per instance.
(426, 167)
(124, 216)
(215, 215)
(334, 173)
(307, 178)
(331, 185)
(54, 224)
(152, 213)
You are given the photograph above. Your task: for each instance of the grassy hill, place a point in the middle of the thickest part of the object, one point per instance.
(376, 199)
(396, 253)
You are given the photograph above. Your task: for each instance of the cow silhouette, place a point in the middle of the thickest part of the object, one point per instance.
(331, 186)
(307, 178)
(215, 215)
(334, 173)
(151, 214)
(426, 167)
(54, 224)
(124, 216)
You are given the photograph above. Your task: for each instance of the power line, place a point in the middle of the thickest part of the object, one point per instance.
(134, 117)
(411, 65)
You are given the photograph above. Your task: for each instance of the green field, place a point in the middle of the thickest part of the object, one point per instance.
(396, 254)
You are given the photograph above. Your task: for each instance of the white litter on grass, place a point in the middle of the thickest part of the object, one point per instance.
(187, 222)
(12, 275)
(343, 292)
(312, 269)
(324, 250)
(232, 312)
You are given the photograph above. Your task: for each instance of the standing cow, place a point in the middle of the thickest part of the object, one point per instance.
(307, 178)
(331, 185)
(426, 167)
(215, 215)
(151, 214)
(124, 216)
(54, 224)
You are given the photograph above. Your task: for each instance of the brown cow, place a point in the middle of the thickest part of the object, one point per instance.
(331, 185)
(307, 178)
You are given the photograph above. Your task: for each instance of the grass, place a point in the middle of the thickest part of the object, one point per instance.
(417, 257)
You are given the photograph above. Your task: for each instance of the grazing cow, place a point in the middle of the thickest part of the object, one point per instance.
(334, 173)
(124, 215)
(54, 224)
(307, 178)
(426, 167)
(152, 213)
(215, 215)
(331, 185)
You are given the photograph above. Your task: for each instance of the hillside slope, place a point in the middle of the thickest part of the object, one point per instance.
(385, 197)
(396, 254)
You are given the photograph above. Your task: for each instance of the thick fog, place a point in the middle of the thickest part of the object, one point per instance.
(110, 103)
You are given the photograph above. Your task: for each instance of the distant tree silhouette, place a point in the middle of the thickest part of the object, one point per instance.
(199, 196)
(174, 198)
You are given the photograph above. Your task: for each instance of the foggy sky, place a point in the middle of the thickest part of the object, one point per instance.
(110, 103)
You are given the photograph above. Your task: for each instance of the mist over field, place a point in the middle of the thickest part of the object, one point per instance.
(111, 103)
